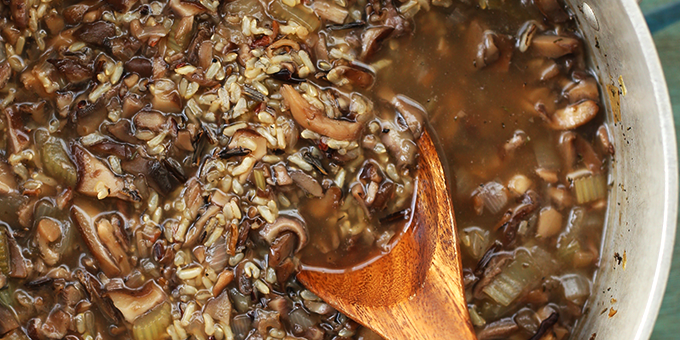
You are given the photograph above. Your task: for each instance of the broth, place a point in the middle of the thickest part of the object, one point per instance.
(166, 168)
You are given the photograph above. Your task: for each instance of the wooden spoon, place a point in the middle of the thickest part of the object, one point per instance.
(416, 290)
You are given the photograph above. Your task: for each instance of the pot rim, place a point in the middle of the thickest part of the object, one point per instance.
(670, 167)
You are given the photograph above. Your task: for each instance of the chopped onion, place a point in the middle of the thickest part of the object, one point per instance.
(494, 195)
(549, 223)
(546, 155)
(576, 288)
(301, 318)
(475, 240)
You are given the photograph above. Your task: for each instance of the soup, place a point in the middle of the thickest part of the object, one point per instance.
(167, 168)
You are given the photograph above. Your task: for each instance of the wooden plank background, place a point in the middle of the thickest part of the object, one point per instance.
(668, 45)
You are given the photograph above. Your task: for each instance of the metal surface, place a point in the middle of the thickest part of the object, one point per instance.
(642, 211)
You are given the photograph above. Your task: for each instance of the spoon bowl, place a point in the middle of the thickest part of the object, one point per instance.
(415, 291)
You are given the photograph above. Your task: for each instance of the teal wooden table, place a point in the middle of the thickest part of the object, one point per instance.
(668, 44)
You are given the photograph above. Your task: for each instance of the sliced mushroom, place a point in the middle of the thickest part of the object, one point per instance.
(282, 224)
(5, 73)
(19, 9)
(96, 33)
(95, 179)
(165, 96)
(554, 46)
(8, 321)
(85, 214)
(584, 89)
(414, 114)
(72, 69)
(500, 329)
(112, 237)
(149, 120)
(307, 183)
(56, 324)
(73, 14)
(329, 11)
(16, 137)
(282, 176)
(140, 65)
(135, 303)
(371, 40)
(312, 118)
(219, 308)
(18, 267)
(122, 6)
(187, 8)
(196, 230)
(282, 247)
(93, 288)
(203, 33)
(552, 10)
(399, 143)
(574, 147)
(574, 115)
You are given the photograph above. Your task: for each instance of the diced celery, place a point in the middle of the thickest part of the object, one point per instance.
(522, 274)
(477, 320)
(152, 325)
(588, 187)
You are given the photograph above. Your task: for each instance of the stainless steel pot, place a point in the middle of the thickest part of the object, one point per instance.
(642, 213)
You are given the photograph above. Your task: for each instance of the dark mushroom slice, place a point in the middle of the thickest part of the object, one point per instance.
(56, 324)
(165, 96)
(574, 115)
(552, 10)
(312, 118)
(307, 183)
(133, 303)
(8, 321)
(17, 139)
(85, 214)
(271, 231)
(72, 69)
(399, 143)
(5, 74)
(219, 308)
(554, 46)
(19, 10)
(122, 6)
(371, 40)
(282, 247)
(330, 11)
(500, 329)
(73, 14)
(187, 8)
(17, 266)
(95, 179)
(96, 33)
(545, 326)
(140, 65)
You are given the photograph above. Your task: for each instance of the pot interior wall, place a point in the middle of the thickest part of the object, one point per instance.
(642, 209)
